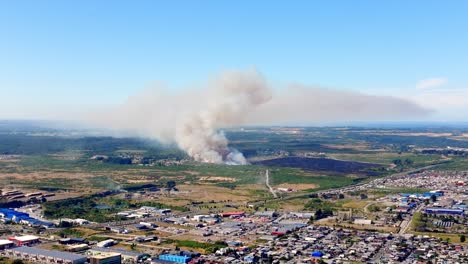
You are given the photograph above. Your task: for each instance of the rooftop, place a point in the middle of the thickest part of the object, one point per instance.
(5, 242)
(49, 253)
(25, 238)
(119, 251)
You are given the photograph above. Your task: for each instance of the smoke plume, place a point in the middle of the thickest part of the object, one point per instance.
(233, 97)
(193, 118)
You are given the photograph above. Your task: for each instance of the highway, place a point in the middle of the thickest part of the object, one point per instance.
(346, 188)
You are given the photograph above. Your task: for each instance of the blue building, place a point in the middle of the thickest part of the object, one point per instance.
(175, 258)
(444, 211)
(22, 218)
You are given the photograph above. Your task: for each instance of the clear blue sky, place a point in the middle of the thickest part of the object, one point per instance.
(85, 53)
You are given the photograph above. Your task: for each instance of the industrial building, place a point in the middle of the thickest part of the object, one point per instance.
(126, 255)
(233, 214)
(106, 258)
(444, 211)
(43, 256)
(77, 247)
(106, 243)
(174, 258)
(22, 218)
(4, 244)
(24, 240)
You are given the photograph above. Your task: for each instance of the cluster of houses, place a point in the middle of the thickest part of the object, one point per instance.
(334, 245)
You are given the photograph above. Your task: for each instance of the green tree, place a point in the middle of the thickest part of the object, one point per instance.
(318, 214)
(170, 184)
(418, 224)
(399, 217)
(409, 162)
(462, 238)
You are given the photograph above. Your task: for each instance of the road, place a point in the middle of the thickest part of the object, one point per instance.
(407, 223)
(267, 183)
(346, 188)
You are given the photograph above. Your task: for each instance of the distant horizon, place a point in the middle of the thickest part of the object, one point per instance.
(375, 124)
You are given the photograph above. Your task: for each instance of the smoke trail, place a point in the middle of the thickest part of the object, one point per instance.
(193, 118)
(233, 96)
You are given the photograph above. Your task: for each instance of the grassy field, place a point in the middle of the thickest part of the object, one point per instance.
(387, 158)
(63, 164)
(458, 163)
(454, 238)
(51, 172)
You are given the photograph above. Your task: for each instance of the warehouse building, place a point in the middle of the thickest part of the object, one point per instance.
(24, 240)
(4, 244)
(233, 214)
(174, 258)
(43, 256)
(106, 258)
(22, 218)
(127, 256)
(443, 211)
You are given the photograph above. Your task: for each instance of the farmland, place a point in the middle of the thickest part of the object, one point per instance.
(320, 158)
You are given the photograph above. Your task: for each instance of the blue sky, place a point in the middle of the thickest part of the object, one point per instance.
(81, 54)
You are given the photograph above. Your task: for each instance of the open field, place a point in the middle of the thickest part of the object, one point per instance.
(294, 156)
(324, 165)
(387, 158)
(453, 238)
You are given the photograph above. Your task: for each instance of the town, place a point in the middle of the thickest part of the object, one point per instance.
(393, 227)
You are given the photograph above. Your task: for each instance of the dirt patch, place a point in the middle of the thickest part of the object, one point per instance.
(139, 181)
(217, 178)
(347, 146)
(206, 193)
(297, 187)
(192, 172)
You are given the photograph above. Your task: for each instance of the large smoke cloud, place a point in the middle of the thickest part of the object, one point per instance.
(193, 118)
(230, 99)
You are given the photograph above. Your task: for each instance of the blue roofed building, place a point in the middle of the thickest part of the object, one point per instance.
(22, 218)
(447, 211)
(175, 258)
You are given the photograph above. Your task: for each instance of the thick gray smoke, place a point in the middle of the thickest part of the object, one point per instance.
(230, 100)
(193, 118)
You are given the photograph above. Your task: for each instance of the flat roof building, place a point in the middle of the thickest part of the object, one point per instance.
(444, 211)
(24, 240)
(126, 255)
(106, 258)
(174, 258)
(37, 255)
(4, 244)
